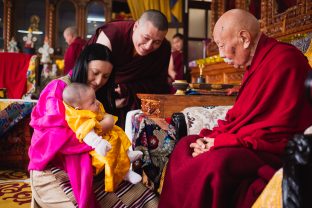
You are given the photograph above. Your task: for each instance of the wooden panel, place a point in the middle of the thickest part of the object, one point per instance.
(164, 105)
(219, 73)
(296, 19)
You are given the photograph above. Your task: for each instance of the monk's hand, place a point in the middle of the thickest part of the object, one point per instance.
(120, 102)
(232, 90)
(118, 90)
(202, 145)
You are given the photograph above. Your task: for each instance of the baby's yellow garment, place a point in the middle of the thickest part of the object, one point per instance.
(116, 161)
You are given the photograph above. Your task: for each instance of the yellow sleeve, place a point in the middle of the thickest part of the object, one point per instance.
(85, 128)
(80, 121)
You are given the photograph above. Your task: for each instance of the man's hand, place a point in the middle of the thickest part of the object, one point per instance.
(120, 102)
(202, 145)
(118, 90)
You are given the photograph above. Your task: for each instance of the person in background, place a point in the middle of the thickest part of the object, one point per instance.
(230, 165)
(175, 69)
(54, 144)
(75, 46)
(140, 55)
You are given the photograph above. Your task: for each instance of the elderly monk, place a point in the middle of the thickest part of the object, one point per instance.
(140, 55)
(75, 46)
(230, 165)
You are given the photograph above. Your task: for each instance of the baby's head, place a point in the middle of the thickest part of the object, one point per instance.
(81, 97)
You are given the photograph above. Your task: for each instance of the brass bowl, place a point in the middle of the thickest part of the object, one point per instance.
(181, 87)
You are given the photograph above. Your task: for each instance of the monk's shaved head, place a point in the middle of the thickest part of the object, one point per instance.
(234, 21)
(236, 34)
(158, 19)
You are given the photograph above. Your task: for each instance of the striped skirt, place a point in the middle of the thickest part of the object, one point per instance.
(126, 195)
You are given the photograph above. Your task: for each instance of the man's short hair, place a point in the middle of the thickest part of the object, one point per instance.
(178, 35)
(158, 19)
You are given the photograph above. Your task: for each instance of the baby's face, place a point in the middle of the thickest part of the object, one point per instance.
(90, 102)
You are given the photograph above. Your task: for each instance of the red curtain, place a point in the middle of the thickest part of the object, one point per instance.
(13, 69)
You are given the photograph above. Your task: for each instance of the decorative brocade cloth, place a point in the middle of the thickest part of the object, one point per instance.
(116, 161)
(13, 113)
(156, 143)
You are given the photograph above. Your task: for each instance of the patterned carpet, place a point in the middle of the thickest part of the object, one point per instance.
(14, 189)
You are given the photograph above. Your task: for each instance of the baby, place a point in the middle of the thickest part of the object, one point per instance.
(86, 116)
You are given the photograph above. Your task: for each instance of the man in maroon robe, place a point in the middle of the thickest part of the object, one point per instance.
(140, 55)
(175, 69)
(230, 165)
(75, 46)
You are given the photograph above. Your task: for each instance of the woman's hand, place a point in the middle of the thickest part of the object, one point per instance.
(202, 145)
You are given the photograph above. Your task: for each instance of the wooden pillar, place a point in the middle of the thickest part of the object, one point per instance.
(241, 4)
(81, 18)
(7, 22)
(50, 23)
(185, 19)
(108, 10)
(264, 16)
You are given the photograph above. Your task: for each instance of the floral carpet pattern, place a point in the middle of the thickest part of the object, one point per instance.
(14, 189)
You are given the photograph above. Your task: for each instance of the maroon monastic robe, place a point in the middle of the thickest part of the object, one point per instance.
(270, 108)
(135, 74)
(72, 53)
(177, 57)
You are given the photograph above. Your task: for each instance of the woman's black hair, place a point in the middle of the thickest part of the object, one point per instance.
(80, 73)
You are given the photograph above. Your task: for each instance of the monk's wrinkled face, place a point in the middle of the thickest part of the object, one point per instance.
(68, 38)
(231, 47)
(98, 73)
(146, 38)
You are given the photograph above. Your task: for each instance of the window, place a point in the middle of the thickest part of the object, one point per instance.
(66, 16)
(95, 17)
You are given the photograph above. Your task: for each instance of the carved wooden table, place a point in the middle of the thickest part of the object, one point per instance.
(164, 105)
